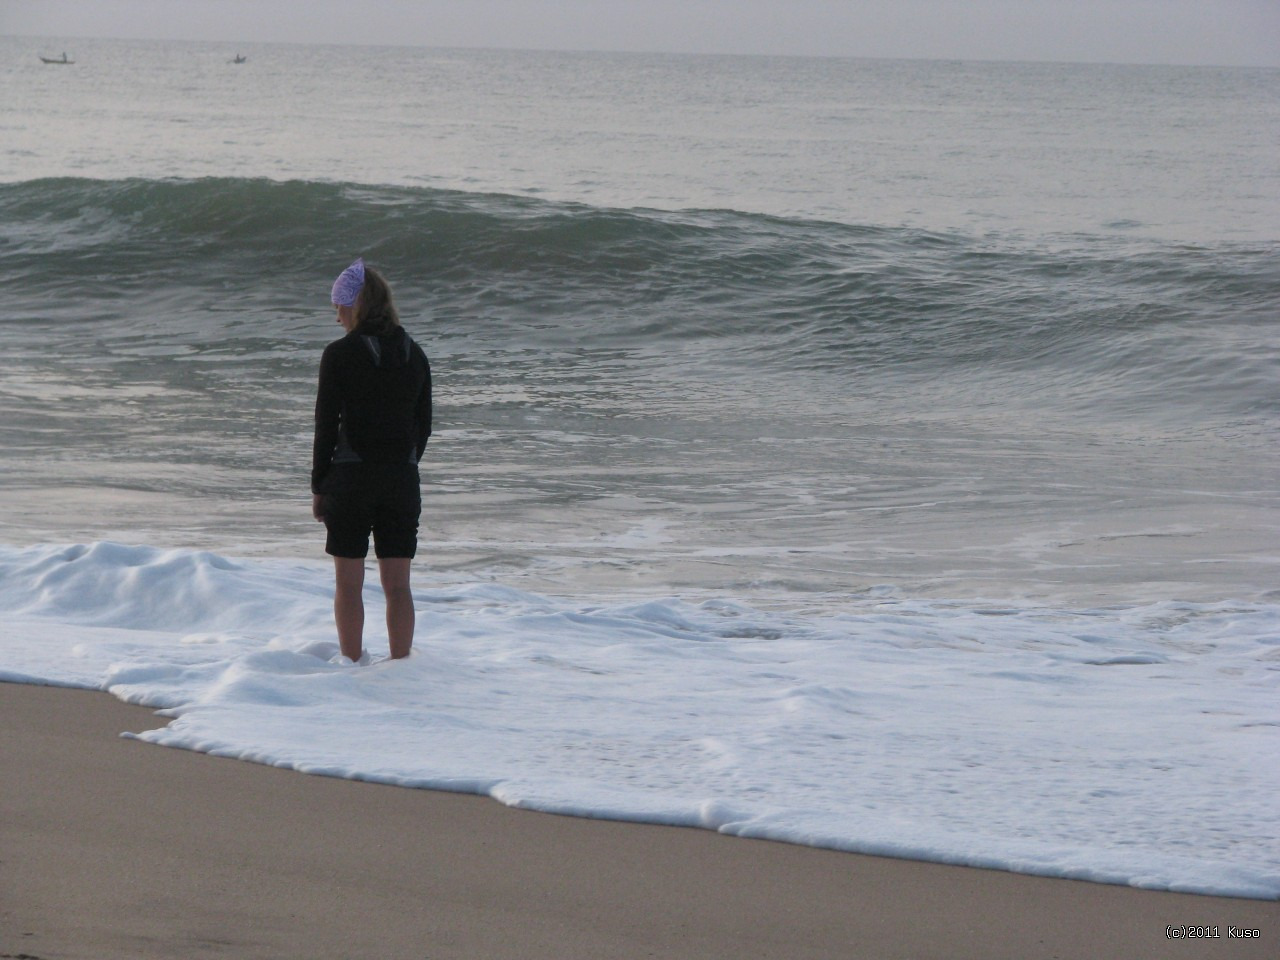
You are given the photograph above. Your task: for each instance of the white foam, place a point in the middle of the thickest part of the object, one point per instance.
(1133, 745)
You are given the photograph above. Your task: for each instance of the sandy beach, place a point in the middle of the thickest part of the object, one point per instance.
(112, 848)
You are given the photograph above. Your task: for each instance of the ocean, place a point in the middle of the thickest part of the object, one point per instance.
(878, 455)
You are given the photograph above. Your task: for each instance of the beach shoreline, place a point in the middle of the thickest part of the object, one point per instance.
(113, 848)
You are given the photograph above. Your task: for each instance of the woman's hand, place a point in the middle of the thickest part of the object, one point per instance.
(317, 506)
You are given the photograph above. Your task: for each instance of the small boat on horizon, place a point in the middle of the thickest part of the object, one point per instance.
(64, 60)
(238, 59)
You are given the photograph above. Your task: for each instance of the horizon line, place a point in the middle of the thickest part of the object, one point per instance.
(665, 53)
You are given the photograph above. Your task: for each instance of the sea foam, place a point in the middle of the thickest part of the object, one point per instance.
(1132, 745)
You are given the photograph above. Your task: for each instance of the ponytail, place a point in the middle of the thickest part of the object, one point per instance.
(376, 314)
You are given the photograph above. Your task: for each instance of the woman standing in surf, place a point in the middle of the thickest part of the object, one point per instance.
(373, 418)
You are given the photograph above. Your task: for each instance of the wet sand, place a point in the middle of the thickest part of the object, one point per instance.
(112, 849)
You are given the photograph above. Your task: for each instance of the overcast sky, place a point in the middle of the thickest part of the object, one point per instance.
(1226, 32)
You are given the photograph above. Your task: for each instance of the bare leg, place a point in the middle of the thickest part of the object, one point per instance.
(348, 605)
(394, 572)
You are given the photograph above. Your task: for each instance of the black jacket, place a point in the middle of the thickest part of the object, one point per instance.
(373, 404)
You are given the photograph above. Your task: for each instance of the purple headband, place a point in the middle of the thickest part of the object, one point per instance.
(346, 289)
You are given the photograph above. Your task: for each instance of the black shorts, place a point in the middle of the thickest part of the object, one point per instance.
(382, 498)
